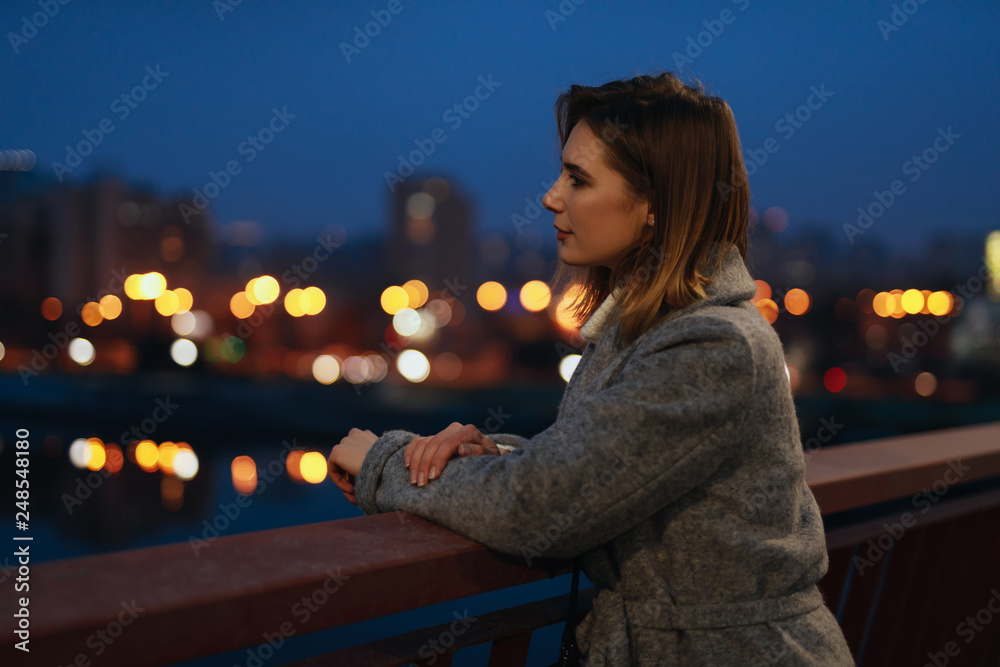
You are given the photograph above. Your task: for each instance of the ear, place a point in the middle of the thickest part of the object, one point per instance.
(650, 220)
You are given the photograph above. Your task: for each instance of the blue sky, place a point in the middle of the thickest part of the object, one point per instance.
(890, 95)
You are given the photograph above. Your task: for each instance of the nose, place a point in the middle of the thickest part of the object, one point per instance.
(550, 200)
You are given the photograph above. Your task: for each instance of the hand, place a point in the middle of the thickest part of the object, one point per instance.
(426, 456)
(344, 462)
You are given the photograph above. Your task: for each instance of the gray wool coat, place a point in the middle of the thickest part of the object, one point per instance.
(675, 467)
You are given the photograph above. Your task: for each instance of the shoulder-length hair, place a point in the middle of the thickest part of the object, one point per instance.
(678, 149)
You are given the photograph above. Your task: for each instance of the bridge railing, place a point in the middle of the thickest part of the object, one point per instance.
(904, 579)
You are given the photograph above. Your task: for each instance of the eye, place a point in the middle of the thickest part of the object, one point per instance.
(576, 181)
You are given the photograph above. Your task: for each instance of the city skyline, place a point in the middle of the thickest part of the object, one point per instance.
(316, 130)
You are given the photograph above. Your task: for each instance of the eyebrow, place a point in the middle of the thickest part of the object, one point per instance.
(578, 169)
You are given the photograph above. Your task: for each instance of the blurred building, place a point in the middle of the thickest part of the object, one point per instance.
(431, 234)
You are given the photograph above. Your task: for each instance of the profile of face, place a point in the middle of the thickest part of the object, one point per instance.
(595, 221)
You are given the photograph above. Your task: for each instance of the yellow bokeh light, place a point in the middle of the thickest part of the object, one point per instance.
(313, 467)
(895, 301)
(912, 301)
(292, 464)
(939, 303)
(294, 302)
(110, 306)
(491, 295)
(316, 300)
(262, 290)
(152, 285)
(797, 301)
(563, 314)
(394, 299)
(132, 290)
(882, 305)
(91, 314)
(167, 303)
(185, 300)
(416, 292)
(244, 472)
(98, 455)
(240, 305)
(535, 296)
(165, 456)
(147, 455)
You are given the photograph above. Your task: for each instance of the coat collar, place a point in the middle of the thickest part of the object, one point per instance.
(732, 283)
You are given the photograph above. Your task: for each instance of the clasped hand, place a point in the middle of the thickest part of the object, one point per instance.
(425, 456)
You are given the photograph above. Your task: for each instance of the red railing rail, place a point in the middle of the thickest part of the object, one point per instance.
(165, 604)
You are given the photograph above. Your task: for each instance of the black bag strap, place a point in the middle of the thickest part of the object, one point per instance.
(569, 654)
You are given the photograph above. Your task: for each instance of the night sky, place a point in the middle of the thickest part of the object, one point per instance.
(891, 93)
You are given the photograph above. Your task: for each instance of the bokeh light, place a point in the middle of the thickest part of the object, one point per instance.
(413, 365)
(110, 306)
(82, 351)
(240, 305)
(244, 472)
(535, 296)
(491, 295)
(147, 455)
(393, 299)
(91, 314)
(51, 308)
(326, 369)
(167, 303)
(183, 352)
(567, 366)
(313, 467)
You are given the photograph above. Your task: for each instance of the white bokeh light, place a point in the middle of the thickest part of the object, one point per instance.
(413, 365)
(82, 351)
(183, 352)
(568, 365)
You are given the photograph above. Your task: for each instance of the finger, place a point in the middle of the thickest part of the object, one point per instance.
(438, 450)
(450, 443)
(416, 456)
(472, 449)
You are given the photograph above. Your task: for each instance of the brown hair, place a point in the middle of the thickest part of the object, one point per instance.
(678, 149)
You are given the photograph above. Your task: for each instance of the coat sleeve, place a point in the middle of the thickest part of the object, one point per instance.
(665, 424)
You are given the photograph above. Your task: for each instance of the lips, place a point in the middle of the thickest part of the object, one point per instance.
(561, 233)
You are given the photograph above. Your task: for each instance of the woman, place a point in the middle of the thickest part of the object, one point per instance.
(675, 465)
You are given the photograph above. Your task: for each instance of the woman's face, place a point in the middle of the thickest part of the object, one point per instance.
(594, 220)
